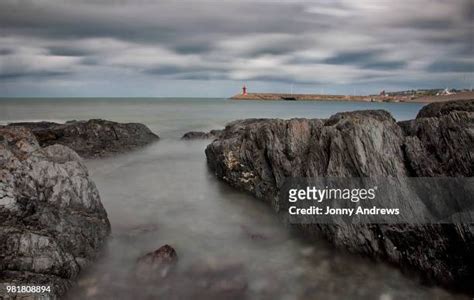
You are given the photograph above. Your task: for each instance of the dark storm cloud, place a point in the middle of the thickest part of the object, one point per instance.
(274, 41)
(430, 24)
(6, 51)
(146, 21)
(90, 61)
(174, 70)
(369, 59)
(192, 47)
(72, 21)
(356, 57)
(46, 74)
(385, 65)
(284, 79)
(452, 66)
(68, 51)
(201, 76)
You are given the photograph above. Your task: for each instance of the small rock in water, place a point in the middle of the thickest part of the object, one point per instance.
(92, 291)
(87, 282)
(385, 297)
(307, 251)
(196, 135)
(156, 264)
(253, 235)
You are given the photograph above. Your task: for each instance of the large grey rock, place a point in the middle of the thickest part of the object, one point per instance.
(441, 145)
(200, 135)
(444, 108)
(257, 155)
(52, 222)
(93, 138)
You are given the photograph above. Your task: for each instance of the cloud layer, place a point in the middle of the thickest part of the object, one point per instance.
(164, 48)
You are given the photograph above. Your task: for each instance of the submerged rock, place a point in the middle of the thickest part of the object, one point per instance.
(218, 280)
(195, 135)
(256, 155)
(140, 229)
(206, 278)
(93, 138)
(251, 234)
(52, 222)
(156, 264)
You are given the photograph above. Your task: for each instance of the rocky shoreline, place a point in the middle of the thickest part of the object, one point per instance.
(53, 223)
(93, 138)
(256, 155)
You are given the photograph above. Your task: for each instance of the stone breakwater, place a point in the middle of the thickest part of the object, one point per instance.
(52, 222)
(363, 98)
(304, 97)
(92, 138)
(256, 155)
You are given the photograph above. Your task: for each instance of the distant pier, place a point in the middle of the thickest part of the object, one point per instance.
(369, 98)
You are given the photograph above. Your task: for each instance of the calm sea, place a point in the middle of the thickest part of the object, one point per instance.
(164, 194)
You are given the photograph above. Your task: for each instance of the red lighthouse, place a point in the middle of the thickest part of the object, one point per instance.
(244, 90)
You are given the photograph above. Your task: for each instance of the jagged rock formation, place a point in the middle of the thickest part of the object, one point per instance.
(157, 264)
(256, 155)
(443, 108)
(200, 135)
(93, 138)
(52, 222)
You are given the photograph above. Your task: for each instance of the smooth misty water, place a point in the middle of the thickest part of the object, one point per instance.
(164, 194)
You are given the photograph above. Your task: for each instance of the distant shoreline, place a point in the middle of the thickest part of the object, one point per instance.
(369, 98)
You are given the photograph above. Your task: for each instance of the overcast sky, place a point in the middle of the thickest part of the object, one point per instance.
(211, 48)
